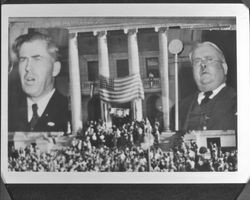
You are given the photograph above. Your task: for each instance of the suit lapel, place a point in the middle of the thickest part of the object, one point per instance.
(22, 112)
(45, 122)
(51, 105)
(216, 104)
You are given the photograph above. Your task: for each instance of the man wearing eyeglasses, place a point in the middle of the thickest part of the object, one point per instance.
(214, 106)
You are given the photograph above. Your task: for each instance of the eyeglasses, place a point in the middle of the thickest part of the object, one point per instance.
(206, 60)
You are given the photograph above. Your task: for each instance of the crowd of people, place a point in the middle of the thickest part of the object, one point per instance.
(120, 149)
(187, 156)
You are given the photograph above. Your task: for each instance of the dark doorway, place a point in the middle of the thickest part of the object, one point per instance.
(153, 114)
(94, 108)
(122, 68)
(213, 141)
(93, 70)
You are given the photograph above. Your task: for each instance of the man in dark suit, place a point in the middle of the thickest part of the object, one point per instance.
(214, 106)
(39, 107)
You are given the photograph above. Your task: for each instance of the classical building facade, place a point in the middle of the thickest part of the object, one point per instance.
(146, 53)
(120, 47)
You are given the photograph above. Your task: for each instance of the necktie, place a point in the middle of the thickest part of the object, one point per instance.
(206, 98)
(35, 117)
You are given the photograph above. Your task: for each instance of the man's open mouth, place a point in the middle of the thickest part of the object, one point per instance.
(29, 80)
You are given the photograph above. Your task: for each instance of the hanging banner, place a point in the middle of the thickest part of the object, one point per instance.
(119, 112)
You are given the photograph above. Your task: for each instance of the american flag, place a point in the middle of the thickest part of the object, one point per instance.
(121, 90)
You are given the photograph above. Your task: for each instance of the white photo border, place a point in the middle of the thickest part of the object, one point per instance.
(240, 11)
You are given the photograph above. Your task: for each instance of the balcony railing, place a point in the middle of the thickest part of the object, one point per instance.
(150, 85)
(87, 86)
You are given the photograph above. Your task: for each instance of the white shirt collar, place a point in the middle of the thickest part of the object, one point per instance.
(41, 104)
(215, 92)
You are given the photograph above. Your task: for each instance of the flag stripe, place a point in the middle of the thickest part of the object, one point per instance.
(128, 84)
(115, 96)
(121, 90)
(120, 100)
(127, 78)
(126, 89)
(117, 83)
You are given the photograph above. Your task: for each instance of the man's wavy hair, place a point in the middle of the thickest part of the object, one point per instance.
(53, 49)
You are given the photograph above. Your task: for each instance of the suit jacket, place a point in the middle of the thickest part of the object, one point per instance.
(221, 115)
(54, 117)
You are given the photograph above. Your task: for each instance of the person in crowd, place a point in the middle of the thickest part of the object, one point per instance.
(84, 155)
(214, 105)
(40, 106)
(156, 133)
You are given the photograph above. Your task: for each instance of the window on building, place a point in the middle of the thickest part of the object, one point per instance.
(122, 68)
(93, 72)
(152, 66)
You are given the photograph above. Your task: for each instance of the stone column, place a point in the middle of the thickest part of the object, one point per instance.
(75, 84)
(103, 64)
(134, 68)
(163, 61)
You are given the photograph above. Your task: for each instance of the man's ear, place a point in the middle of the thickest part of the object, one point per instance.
(224, 65)
(56, 68)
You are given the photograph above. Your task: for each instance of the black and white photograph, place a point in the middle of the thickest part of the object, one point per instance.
(158, 97)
